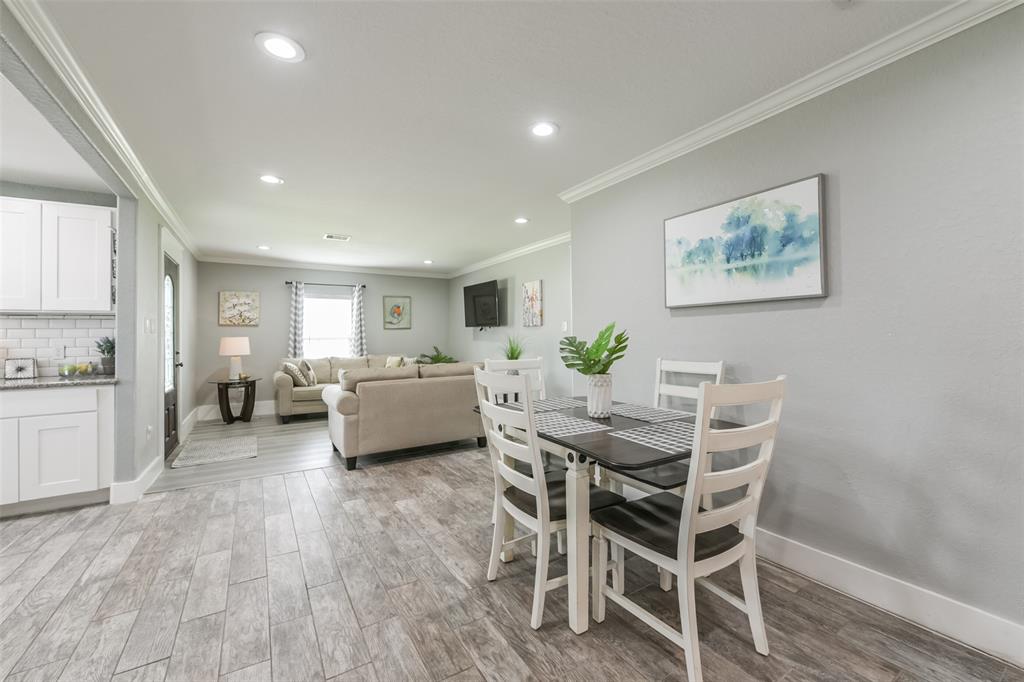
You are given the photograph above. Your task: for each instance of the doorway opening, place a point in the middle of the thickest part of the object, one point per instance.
(172, 356)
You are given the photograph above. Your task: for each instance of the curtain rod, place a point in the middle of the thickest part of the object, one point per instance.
(329, 284)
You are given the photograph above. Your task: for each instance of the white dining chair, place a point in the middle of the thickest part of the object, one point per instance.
(532, 501)
(531, 367)
(683, 538)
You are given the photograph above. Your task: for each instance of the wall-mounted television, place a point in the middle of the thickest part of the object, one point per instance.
(482, 304)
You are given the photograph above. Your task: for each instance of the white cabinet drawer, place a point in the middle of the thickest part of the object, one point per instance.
(58, 455)
(39, 401)
(8, 461)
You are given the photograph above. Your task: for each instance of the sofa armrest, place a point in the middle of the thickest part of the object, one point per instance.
(345, 402)
(283, 381)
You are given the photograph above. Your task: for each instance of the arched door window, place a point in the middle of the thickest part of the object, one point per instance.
(168, 333)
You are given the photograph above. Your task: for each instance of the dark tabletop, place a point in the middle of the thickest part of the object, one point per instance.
(239, 382)
(619, 453)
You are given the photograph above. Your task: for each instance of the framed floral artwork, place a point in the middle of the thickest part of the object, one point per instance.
(239, 309)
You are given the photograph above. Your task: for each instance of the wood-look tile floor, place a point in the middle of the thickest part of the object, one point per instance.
(379, 573)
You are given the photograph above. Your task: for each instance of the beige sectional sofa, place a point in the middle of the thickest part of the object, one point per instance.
(292, 399)
(377, 409)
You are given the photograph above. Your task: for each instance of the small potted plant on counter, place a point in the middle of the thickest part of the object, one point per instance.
(594, 362)
(106, 348)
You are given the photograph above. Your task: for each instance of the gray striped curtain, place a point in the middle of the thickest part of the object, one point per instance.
(295, 320)
(358, 322)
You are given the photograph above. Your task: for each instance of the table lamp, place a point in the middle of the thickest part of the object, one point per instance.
(234, 347)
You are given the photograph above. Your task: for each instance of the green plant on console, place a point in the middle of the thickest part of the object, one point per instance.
(105, 346)
(436, 358)
(598, 357)
(513, 348)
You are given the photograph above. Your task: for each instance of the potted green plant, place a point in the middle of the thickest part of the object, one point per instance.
(594, 362)
(106, 348)
(436, 358)
(513, 348)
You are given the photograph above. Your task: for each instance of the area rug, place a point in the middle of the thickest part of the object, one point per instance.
(197, 452)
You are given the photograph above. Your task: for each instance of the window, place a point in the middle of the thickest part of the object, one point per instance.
(168, 333)
(327, 322)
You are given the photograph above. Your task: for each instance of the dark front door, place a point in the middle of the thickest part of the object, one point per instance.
(172, 359)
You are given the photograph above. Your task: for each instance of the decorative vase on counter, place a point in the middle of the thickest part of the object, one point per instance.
(599, 396)
(108, 365)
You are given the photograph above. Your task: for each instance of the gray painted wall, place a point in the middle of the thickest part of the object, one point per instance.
(901, 442)
(550, 265)
(269, 341)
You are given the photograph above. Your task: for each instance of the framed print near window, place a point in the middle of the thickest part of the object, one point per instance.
(766, 246)
(239, 309)
(398, 312)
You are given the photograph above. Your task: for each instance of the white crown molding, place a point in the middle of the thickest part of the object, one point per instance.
(48, 40)
(304, 265)
(906, 41)
(562, 238)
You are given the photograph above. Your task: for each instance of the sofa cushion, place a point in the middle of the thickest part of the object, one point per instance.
(377, 360)
(338, 364)
(448, 369)
(350, 378)
(300, 393)
(321, 367)
(309, 373)
(297, 375)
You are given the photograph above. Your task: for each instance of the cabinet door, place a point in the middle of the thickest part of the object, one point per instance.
(58, 455)
(19, 254)
(75, 257)
(8, 461)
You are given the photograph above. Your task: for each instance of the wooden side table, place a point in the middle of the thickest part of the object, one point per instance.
(248, 399)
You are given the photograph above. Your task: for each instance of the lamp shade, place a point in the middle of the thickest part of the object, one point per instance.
(234, 345)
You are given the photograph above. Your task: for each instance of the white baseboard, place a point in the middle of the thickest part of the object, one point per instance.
(187, 424)
(131, 491)
(207, 412)
(985, 631)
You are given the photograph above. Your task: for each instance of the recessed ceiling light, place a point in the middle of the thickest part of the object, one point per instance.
(271, 179)
(280, 47)
(521, 220)
(263, 247)
(428, 262)
(544, 129)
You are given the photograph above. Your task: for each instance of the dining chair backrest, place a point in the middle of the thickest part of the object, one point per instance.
(532, 367)
(751, 476)
(710, 371)
(512, 435)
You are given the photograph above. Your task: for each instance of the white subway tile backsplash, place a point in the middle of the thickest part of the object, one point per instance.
(54, 339)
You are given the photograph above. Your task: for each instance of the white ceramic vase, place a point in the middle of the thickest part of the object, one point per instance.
(599, 396)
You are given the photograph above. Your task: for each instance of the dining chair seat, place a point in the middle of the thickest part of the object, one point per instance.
(669, 476)
(550, 473)
(599, 499)
(653, 522)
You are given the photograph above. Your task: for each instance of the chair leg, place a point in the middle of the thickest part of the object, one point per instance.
(688, 616)
(752, 597)
(508, 531)
(619, 572)
(665, 580)
(541, 579)
(496, 541)
(599, 549)
(560, 537)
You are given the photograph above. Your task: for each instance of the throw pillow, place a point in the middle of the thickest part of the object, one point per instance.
(410, 362)
(307, 370)
(394, 361)
(292, 370)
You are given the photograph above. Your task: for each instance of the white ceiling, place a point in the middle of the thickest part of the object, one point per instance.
(32, 152)
(407, 125)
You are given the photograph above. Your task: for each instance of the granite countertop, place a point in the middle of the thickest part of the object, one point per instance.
(57, 382)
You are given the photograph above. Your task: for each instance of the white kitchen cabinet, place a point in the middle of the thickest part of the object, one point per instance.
(8, 461)
(57, 455)
(75, 270)
(55, 441)
(20, 254)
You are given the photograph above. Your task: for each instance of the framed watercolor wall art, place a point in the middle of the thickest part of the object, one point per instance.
(533, 304)
(766, 246)
(239, 309)
(398, 312)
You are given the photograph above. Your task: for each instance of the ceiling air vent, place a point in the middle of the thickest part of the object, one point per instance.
(337, 237)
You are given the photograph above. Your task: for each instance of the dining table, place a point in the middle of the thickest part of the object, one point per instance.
(581, 450)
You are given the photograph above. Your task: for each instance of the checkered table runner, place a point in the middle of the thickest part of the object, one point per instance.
(655, 415)
(673, 437)
(560, 425)
(551, 404)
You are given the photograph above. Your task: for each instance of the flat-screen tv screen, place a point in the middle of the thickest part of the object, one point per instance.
(482, 304)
